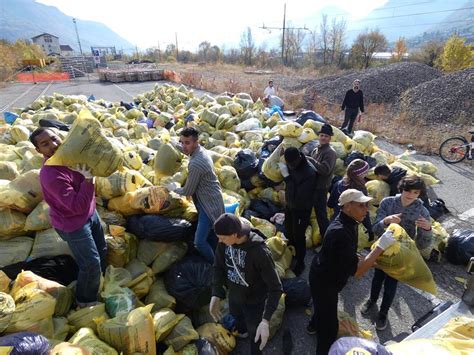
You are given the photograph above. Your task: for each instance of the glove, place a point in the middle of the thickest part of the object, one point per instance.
(283, 169)
(386, 240)
(172, 186)
(82, 169)
(215, 308)
(263, 333)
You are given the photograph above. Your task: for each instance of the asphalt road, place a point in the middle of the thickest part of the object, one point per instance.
(457, 182)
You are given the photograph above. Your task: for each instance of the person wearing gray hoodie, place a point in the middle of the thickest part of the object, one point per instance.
(244, 266)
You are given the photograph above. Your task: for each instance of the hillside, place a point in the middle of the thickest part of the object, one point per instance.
(23, 19)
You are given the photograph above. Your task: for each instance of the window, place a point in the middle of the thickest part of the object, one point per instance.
(48, 39)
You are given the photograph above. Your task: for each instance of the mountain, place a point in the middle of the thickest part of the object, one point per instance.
(23, 19)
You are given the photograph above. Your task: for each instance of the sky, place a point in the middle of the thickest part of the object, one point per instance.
(149, 23)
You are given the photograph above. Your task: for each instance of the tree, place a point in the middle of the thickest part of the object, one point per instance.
(247, 46)
(203, 50)
(456, 55)
(336, 40)
(215, 54)
(293, 47)
(324, 43)
(365, 45)
(399, 50)
(312, 48)
(429, 53)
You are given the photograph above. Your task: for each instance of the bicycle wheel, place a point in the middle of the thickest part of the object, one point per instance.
(453, 150)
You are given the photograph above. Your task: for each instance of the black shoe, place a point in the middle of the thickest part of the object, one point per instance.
(367, 307)
(311, 329)
(298, 269)
(381, 322)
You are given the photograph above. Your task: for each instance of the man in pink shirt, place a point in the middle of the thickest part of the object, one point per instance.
(70, 196)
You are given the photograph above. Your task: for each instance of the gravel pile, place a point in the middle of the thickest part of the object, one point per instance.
(449, 99)
(380, 85)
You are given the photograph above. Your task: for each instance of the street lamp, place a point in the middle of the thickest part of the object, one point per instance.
(77, 35)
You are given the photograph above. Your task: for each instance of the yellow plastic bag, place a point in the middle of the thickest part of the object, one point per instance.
(458, 332)
(66, 348)
(182, 334)
(7, 308)
(61, 328)
(38, 219)
(4, 283)
(290, 129)
(339, 148)
(423, 347)
(217, 335)
(277, 317)
(14, 250)
(23, 193)
(282, 254)
(142, 277)
(403, 262)
(426, 167)
(378, 190)
(119, 183)
(167, 160)
(168, 255)
(307, 135)
(49, 243)
(84, 317)
(130, 333)
(87, 144)
(86, 338)
(270, 166)
(159, 296)
(121, 246)
(8, 170)
(164, 321)
(228, 178)
(364, 138)
(264, 226)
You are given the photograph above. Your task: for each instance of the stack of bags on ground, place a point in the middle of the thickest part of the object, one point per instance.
(133, 152)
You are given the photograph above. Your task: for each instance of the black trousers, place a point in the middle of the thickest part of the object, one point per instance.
(247, 318)
(296, 222)
(350, 115)
(325, 321)
(320, 199)
(390, 288)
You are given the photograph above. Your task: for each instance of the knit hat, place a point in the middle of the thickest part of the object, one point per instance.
(362, 170)
(229, 223)
(292, 157)
(326, 129)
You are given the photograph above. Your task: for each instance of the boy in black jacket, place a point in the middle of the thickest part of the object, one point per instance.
(243, 264)
(300, 180)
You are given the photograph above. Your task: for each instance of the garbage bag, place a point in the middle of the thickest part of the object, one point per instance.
(460, 247)
(309, 115)
(270, 145)
(38, 219)
(164, 321)
(264, 226)
(459, 332)
(220, 337)
(8, 170)
(7, 308)
(290, 129)
(378, 190)
(246, 164)
(205, 347)
(228, 178)
(61, 268)
(118, 300)
(47, 122)
(130, 333)
(182, 334)
(297, 292)
(119, 183)
(189, 281)
(14, 250)
(159, 296)
(61, 328)
(162, 254)
(167, 160)
(87, 144)
(354, 345)
(423, 347)
(364, 138)
(49, 243)
(403, 262)
(277, 317)
(264, 208)
(86, 338)
(437, 208)
(308, 147)
(339, 148)
(121, 247)
(26, 343)
(353, 156)
(84, 317)
(159, 228)
(22, 194)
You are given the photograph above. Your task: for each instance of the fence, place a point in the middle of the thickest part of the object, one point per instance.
(40, 77)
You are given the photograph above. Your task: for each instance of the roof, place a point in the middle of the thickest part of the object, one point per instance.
(65, 47)
(49, 34)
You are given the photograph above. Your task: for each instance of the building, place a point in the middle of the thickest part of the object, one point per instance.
(66, 50)
(48, 42)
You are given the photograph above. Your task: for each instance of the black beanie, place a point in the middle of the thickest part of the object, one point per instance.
(292, 155)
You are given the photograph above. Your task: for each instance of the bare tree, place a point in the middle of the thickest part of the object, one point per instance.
(247, 46)
(336, 40)
(203, 50)
(215, 54)
(294, 44)
(365, 45)
(312, 48)
(324, 33)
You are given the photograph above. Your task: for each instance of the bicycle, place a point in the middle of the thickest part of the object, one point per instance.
(456, 149)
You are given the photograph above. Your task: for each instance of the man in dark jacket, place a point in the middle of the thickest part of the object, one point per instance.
(323, 158)
(390, 176)
(244, 264)
(336, 262)
(300, 181)
(353, 102)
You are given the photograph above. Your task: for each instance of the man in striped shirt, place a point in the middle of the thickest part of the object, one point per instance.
(202, 184)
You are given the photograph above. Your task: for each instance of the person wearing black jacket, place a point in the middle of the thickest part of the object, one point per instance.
(336, 262)
(353, 102)
(244, 265)
(390, 176)
(300, 181)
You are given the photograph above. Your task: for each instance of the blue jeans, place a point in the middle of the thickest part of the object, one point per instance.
(205, 239)
(89, 248)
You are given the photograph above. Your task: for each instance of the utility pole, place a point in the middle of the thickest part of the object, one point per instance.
(136, 50)
(176, 38)
(284, 29)
(77, 35)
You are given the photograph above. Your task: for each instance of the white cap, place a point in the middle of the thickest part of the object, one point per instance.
(353, 195)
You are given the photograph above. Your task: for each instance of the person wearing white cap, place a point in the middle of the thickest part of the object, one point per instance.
(336, 262)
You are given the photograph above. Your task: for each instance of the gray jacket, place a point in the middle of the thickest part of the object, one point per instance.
(324, 161)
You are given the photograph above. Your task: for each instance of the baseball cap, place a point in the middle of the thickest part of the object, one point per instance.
(229, 223)
(353, 195)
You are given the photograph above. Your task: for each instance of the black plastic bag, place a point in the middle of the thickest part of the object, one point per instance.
(437, 208)
(261, 175)
(297, 292)
(159, 228)
(354, 345)
(265, 208)
(309, 115)
(246, 184)
(60, 268)
(270, 145)
(371, 161)
(26, 343)
(308, 148)
(353, 156)
(246, 164)
(205, 347)
(460, 247)
(189, 281)
(47, 122)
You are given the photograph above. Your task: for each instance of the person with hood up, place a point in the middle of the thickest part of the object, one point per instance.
(300, 181)
(244, 265)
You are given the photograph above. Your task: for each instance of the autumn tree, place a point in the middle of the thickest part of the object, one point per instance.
(429, 53)
(399, 50)
(247, 46)
(365, 45)
(456, 55)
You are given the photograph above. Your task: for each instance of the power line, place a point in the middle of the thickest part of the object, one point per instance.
(417, 14)
(418, 24)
